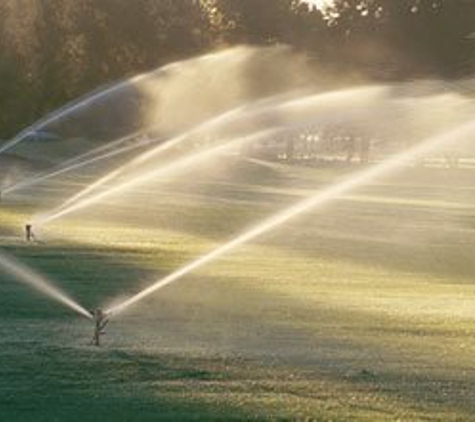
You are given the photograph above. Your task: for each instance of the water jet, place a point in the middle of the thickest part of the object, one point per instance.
(318, 199)
(270, 113)
(213, 123)
(74, 166)
(166, 171)
(25, 275)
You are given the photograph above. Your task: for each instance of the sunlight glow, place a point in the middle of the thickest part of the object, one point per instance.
(321, 5)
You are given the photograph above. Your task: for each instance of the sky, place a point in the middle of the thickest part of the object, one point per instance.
(319, 4)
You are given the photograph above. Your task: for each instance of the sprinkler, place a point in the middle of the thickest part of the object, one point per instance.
(100, 320)
(29, 235)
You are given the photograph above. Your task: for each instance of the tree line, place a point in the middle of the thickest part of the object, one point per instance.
(52, 51)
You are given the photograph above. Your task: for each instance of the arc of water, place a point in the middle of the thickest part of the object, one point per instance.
(74, 166)
(82, 102)
(257, 110)
(165, 171)
(108, 146)
(70, 107)
(27, 276)
(167, 145)
(210, 124)
(320, 198)
(94, 96)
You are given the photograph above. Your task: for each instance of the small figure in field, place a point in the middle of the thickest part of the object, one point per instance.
(30, 236)
(100, 322)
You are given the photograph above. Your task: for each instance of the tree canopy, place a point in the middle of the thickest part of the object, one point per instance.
(52, 51)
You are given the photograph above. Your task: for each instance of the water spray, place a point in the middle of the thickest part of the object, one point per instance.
(27, 276)
(213, 123)
(318, 199)
(75, 166)
(108, 146)
(94, 97)
(261, 111)
(166, 171)
(117, 172)
(79, 104)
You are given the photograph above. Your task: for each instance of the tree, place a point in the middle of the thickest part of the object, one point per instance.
(406, 38)
(52, 51)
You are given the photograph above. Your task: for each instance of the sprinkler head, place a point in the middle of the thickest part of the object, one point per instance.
(100, 321)
(29, 232)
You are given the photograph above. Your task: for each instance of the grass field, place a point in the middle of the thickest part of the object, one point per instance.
(361, 310)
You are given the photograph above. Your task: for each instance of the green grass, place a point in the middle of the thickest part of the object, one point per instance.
(362, 310)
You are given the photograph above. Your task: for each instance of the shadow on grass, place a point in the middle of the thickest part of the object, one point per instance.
(77, 385)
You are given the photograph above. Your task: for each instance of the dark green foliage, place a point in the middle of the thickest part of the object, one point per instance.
(408, 38)
(52, 51)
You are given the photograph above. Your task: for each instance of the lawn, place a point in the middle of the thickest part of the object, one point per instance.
(360, 310)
